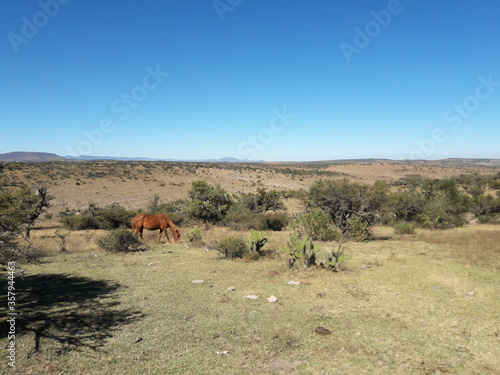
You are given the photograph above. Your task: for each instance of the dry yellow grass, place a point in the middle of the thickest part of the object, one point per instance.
(403, 306)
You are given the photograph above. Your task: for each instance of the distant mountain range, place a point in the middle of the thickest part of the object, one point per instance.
(30, 156)
(25, 156)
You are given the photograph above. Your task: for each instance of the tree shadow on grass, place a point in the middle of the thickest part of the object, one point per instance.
(66, 312)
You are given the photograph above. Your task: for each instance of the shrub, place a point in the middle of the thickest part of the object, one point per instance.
(233, 247)
(111, 217)
(262, 201)
(208, 203)
(359, 229)
(404, 228)
(239, 218)
(121, 240)
(80, 222)
(343, 199)
(274, 222)
(315, 223)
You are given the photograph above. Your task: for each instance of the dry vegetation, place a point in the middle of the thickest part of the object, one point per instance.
(423, 303)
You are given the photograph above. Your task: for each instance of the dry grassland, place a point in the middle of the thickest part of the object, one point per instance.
(421, 304)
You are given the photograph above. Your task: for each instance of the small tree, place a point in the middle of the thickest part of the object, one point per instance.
(344, 200)
(16, 213)
(38, 203)
(262, 201)
(208, 203)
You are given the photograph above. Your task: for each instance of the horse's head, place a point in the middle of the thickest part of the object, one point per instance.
(177, 235)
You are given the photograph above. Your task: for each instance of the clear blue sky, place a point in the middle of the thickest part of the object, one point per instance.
(257, 79)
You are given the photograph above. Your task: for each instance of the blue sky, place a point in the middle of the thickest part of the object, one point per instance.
(257, 79)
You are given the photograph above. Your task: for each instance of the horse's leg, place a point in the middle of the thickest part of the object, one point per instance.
(164, 230)
(140, 232)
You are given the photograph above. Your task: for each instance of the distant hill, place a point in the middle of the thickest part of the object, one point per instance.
(45, 156)
(30, 156)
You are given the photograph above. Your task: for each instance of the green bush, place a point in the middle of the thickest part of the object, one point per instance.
(315, 223)
(343, 200)
(262, 201)
(239, 218)
(275, 222)
(80, 222)
(111, 217)
(208, 203)
(359, 229)
(121, 240)
(233, 247)
(404, 228)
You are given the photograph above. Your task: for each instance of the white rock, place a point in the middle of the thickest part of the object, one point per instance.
(198, 281)
(222, 352)
(272, 299)
(251, 296)
(231, 289)
(294, 283)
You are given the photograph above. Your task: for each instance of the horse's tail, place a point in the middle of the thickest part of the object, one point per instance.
(136, 222)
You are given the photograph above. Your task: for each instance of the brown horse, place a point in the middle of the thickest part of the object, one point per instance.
(153, 222)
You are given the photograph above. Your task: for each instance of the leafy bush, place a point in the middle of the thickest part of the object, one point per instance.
(404, 228)
(275, 222)
(239, 218)
(315, 223)
(208, 203)
(121, 240)
(343, 200)
(359, 229)
(111, 217)
(262, 201)
(233, 247)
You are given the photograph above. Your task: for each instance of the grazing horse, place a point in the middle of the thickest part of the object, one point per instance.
(153, 222)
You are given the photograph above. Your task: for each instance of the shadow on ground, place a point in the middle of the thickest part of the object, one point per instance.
(65, 312)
